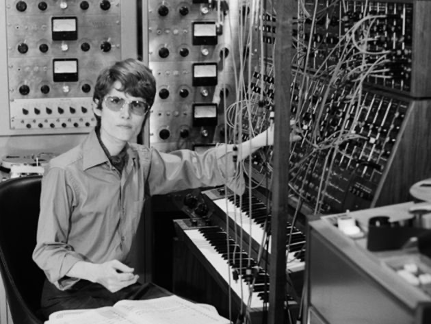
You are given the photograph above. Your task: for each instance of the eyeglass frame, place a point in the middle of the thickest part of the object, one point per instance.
(128, 102)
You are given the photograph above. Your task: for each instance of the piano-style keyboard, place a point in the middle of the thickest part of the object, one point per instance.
(256, 223)
(248, 283)
(213, 243)
(232, 246)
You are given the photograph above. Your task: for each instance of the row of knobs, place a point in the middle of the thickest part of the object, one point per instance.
(64, 125)
(184, 93)
(184, 52)
(164, 52)
(60, 110)
(21, 6)
(45, 89)
(86, 88)
(200, 208)
(164, 11)
(85, 47)
(165, 133)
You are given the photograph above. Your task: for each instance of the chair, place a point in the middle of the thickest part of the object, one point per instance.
(23, 280)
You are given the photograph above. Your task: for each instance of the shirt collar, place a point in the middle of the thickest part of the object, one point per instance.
(94, 154)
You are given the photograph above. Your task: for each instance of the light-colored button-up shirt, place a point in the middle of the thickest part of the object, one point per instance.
(90, 212)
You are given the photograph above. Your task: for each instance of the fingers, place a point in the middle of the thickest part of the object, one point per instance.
(120, 267)
(121, 282)
(124, 273)
(126, 276)
(295, 133)
(294, 137)
(131, 280)
(116, 275)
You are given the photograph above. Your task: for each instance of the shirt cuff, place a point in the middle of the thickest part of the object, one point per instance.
(65, 282)
(229, 168)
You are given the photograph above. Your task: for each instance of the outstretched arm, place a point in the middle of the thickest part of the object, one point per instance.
(266, 138)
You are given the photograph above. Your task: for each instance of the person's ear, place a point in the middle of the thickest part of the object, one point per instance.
(96, 109)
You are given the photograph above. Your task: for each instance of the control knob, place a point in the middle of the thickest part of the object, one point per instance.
(163, 52)
(44, 89)
(163, 10)
(201, 209)
(184, 52)
(164, 134)
(84, 5)
(24, 90)
(106, 46)
(86, 47)
(105, 5)
(184, 93)
(164, 93)
(23, 48)
(184, 11)
(184, 133)
(42, 6)
(86, 88)
(21, 6)
(190, 201)
(43, 48)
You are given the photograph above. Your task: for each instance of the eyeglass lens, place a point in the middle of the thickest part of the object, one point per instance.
(137, 107)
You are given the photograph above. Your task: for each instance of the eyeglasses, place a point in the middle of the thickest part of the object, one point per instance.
(137, 107)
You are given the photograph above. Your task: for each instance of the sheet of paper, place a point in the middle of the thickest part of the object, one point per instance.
(104, 315)
(171, 309)
(66, 314)
(164, 310)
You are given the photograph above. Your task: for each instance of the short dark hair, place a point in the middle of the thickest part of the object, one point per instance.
(135, 77)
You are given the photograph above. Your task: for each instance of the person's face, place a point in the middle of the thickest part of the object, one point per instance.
(119, 126)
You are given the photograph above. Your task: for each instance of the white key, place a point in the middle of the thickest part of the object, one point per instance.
(223, 268)
(254, 230)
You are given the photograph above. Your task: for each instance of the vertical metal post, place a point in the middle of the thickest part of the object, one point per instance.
(283, 77)
(145, 237)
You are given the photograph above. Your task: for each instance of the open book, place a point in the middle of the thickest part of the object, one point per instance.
(164, 310)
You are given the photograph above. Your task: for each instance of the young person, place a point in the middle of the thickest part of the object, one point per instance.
(93, 195)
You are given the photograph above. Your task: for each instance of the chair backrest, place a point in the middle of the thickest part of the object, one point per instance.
(19, 214)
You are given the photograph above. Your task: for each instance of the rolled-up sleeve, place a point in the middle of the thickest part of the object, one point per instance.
(185, 169)
(52, 253)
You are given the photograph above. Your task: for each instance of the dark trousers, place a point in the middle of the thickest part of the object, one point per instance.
(85, 294)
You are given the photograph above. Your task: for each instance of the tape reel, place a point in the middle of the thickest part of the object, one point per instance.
(421, 190)
(36, 160)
